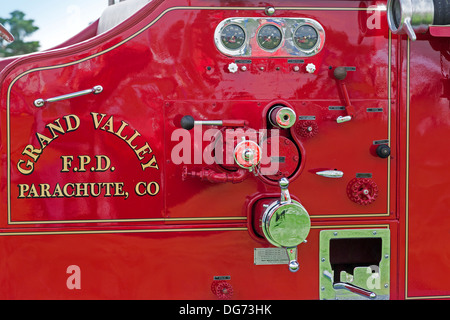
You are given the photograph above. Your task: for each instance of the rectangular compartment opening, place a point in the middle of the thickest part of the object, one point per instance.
(348, 253)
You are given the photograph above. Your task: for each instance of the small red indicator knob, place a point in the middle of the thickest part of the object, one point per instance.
(222, 289)
(362, 191)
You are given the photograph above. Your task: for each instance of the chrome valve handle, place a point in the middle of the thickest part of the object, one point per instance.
(188, 122)
(41, 102)
(285, 196)
(286, 224)
(247, 154)
(5, 34)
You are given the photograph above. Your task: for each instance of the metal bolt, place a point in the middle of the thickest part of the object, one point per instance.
(374, 233)
(322, 288)
(323, 259)
(335, 233)
(386, 256)
(270, 11)
(296, 68)
(244, 68)
(386, 286)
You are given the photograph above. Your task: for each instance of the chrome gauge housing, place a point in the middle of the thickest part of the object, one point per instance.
(266, 37)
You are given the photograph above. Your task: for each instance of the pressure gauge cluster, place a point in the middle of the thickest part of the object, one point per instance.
(260, 37)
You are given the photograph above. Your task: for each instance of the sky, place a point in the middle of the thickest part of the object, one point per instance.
(58, 20)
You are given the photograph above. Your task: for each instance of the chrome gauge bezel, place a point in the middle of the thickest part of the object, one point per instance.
(287, 47)
(242, 50)
(318, 43)
(265, 26)
(229, 25)
(288, 239)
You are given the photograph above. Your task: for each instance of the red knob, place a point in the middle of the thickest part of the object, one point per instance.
(222, 289)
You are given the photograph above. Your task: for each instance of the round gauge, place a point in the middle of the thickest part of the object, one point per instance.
(269, 37)
(306, 37)
(232, 36)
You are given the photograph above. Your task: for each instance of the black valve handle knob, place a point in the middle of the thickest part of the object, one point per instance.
(340, 73)
(187, 122)
(383, 151)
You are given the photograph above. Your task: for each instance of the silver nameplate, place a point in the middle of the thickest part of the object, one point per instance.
(269, 256)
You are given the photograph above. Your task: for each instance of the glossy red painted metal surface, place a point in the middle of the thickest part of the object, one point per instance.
(105, 181)
(428, 176)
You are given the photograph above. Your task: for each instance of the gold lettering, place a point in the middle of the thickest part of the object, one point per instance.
(32, 152)
(149, 188)
(134, 136)
(58, 192)
(67, 161)
(30, 166)
(22, 189)
(54, 128)
(95, 118)
(145, 149)
(137, 190)
(96, 194)
(108, 186)
(118, 187)
(43, 140)
(107, 162)
(33, 192)
(150, 164)
(84, 160)
(109, 124)
(82, 187)
(119, 132)
(45, 190)
(66, 193)
(69, 123)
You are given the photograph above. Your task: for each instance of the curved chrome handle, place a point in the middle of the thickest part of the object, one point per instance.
(285, 196)
(5, 34)
(342, 119)
(355, 289)
(41, 102)
(188, 122)
(331, 173)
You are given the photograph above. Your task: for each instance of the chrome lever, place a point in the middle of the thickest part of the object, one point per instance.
(188, 122)
(355, 289)
(330, 173)
(285, 196)
(5, 34)
(41, 102)
(342, 119)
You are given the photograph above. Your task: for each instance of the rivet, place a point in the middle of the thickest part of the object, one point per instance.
(270, 11)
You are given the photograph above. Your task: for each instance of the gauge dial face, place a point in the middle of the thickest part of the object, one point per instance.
(232, 37)
(269, 37)
(306, 37)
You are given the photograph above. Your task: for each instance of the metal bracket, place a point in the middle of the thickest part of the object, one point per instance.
(364, 282)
